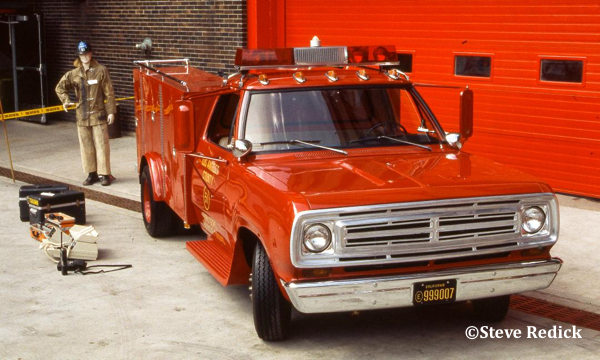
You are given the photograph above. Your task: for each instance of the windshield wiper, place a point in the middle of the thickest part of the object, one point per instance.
(305, 142)
(392, 139)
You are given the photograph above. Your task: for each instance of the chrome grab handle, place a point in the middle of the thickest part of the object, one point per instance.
(202, 156)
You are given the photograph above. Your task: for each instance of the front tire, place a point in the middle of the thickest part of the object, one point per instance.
(272, 312)
(157, 214)
(492, 309)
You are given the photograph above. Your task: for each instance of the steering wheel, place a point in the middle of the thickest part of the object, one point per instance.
(385, 125)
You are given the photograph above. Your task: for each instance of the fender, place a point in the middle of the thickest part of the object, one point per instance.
(240, 270)
(156, 167)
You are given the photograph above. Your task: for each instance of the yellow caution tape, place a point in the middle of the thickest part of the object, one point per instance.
(46, 110)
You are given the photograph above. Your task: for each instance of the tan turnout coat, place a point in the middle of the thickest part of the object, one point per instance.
(91, 88)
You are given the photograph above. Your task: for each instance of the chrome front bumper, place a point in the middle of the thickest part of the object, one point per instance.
(397, 291)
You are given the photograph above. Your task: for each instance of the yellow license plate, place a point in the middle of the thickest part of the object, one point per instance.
(434, 292)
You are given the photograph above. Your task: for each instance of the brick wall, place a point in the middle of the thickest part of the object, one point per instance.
(207, 32)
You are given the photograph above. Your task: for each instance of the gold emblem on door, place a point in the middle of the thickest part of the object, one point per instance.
(206, 197)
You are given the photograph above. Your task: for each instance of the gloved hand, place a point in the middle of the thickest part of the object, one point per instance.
(110, 119)
(66, 105)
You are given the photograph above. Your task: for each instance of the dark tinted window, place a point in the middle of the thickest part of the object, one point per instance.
(406, 62)
(562, 70)
(480, 66)
(222, 119)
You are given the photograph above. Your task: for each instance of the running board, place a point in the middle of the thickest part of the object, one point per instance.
(214, 258)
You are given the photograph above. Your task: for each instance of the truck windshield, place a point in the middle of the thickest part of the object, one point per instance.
(337, 118)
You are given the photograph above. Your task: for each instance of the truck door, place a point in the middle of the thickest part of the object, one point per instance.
(214, 167)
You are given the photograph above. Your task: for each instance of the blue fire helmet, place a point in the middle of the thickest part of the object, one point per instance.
(83, 47)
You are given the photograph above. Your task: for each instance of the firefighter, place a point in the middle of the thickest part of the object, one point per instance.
(92, 86)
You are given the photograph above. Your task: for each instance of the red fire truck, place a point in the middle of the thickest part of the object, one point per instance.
(322, 178)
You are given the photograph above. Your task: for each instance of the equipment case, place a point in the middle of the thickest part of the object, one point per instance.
(70, 202)
(27, 190)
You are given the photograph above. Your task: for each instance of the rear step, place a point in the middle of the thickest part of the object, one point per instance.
(214, 258)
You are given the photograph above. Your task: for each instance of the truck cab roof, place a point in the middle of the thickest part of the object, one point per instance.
(261, 69)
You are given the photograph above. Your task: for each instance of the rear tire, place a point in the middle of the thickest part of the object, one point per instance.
(272, 312)
(156, 214)
(492, 309)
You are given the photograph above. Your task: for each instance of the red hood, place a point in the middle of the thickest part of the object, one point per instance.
(360, 180)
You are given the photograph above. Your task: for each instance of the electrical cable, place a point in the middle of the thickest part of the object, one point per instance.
(119, 267)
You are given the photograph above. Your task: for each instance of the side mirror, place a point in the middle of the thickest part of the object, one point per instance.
(184, 127)
(241, 148)
(466, 114)
(454, 140)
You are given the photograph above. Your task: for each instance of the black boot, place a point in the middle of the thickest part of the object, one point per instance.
(105, 180)
(92, 178)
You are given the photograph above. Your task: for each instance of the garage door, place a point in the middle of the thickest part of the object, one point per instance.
(534, 69)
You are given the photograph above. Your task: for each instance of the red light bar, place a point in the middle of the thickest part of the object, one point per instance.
(374, 55)
(246, 58)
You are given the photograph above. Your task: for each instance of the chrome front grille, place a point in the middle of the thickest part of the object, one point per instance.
(429, 229)
(424, 231)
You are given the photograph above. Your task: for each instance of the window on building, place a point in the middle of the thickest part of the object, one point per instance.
(406, 62)
(570, 71)
(480, 66)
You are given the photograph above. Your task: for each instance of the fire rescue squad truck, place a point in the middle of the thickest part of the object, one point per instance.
(322, 179)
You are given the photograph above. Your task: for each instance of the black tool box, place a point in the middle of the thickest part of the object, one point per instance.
(70, 202)
(27, 190)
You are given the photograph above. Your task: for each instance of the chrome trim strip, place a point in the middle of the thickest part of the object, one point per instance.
(431, 241)
(202, 156)
(396, 291)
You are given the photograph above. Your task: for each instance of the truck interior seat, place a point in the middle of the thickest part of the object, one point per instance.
(224, 141)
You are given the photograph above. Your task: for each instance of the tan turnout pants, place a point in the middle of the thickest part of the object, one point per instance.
(95, 149)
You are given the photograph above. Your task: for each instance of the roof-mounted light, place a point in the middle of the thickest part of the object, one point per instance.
(247, 59)
(395, 74)
(321, 55)
(263, 79)
(331, 75)
(373, 55)
(264, 58)
(362, 74)
(299, 77)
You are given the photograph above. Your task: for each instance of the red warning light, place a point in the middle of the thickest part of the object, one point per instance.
(380, 54)
(264, 57)
(358, 54)
(372, 54)
(247, 59)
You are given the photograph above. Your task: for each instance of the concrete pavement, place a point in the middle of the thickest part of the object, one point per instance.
(52, 151)
(168, 305)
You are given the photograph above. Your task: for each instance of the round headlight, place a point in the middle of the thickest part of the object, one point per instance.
(533, 219)
(317, 238)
